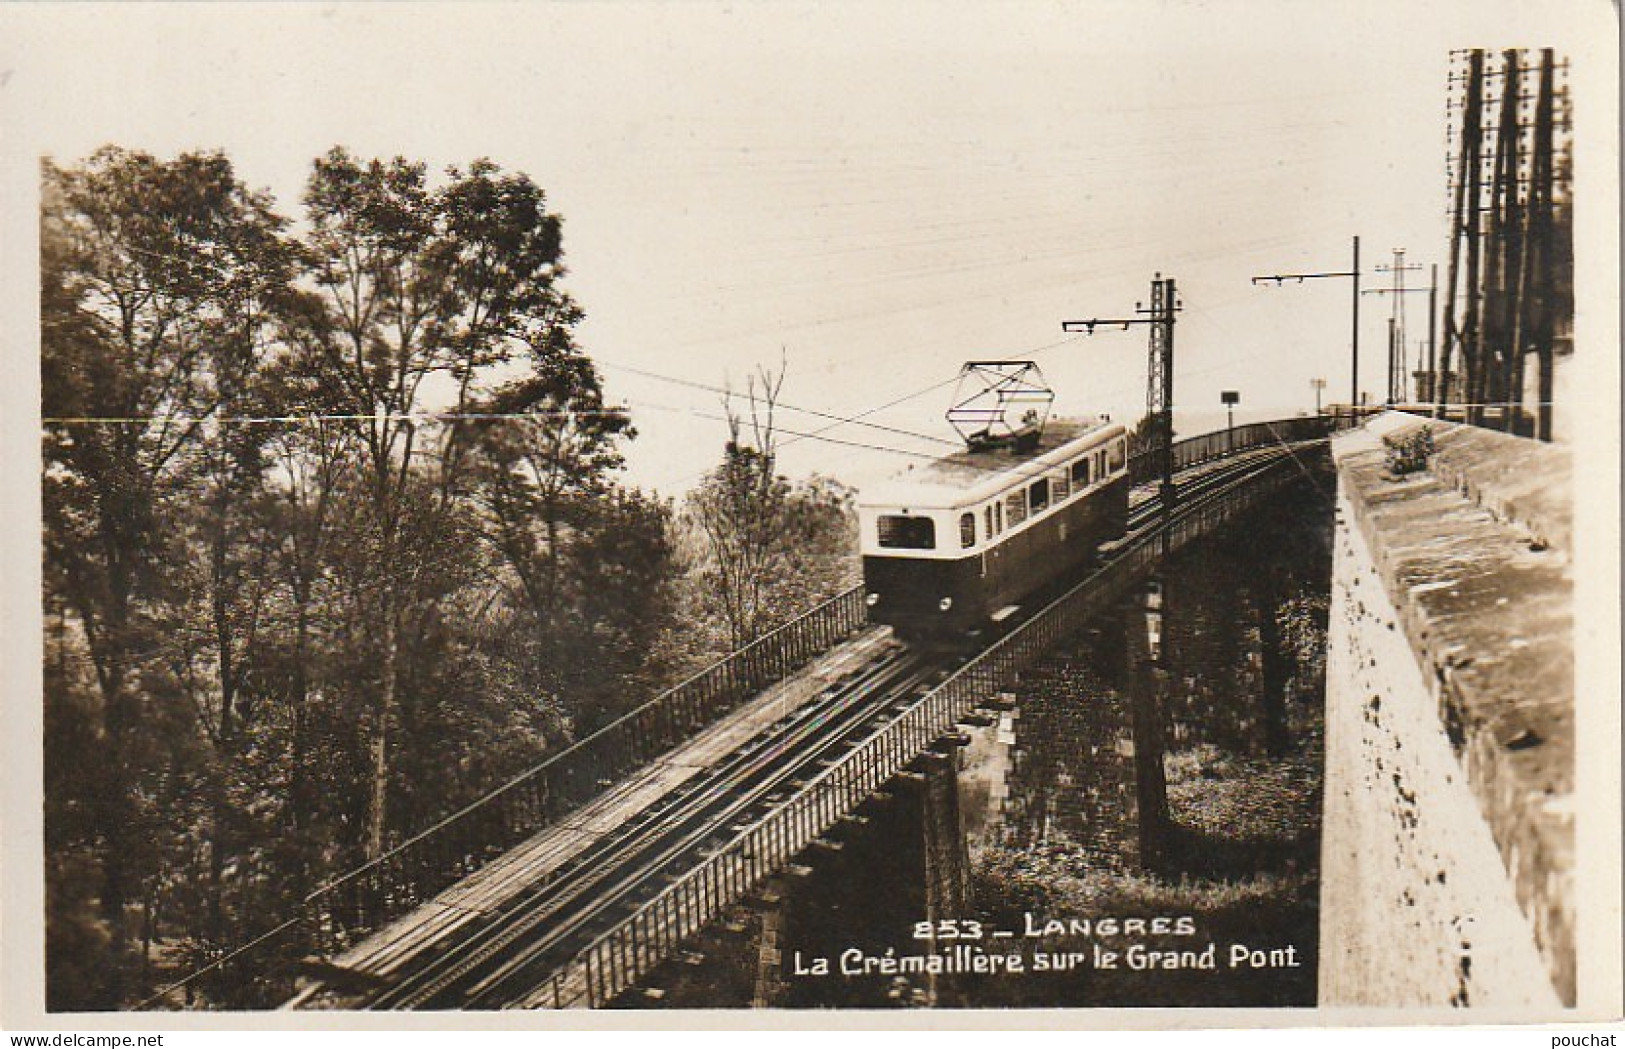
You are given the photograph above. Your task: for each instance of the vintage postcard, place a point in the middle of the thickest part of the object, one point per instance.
(1078, 514)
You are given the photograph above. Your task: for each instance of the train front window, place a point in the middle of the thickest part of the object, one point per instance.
(1016, 504)
(1119, 454)
(967, 530)
(907, 533)
(1038, 495)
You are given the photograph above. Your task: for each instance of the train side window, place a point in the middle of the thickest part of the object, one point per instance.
(1080, 472)
(1016, 504)
(1060, 486)
(998, 517)
(967, 530)
(1038, 494)
(907, 533)
(987, 522)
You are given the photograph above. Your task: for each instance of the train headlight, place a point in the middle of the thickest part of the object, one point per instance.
(946, 603)
(872, 600)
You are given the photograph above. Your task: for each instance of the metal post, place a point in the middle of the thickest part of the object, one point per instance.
(1162, 394)
(1393, 352)
(1354, 332)
(1543, 177)
(1472, 330)
(1433, 335)
(1354, 342)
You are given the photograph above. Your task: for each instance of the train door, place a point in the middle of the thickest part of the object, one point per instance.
(993, 548)
(967, 537)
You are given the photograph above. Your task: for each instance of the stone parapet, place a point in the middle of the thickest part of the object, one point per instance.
(1467, 565)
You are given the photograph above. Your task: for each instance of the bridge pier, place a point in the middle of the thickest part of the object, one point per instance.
(769, 989)
(901, 859)
(944, 851)
(1143, 626)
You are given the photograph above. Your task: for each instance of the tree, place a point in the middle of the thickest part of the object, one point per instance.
(537, 450)
(584, 566)
(765, 539)
(417, 284)
(153, 278)
(740, 506)
(229, 570)
(333, 541)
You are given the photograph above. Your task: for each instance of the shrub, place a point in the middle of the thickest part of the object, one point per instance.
(1408, 452)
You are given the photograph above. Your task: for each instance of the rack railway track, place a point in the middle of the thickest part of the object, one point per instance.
(616, 960)
(637, 889)
(516, 955)
(488, 966)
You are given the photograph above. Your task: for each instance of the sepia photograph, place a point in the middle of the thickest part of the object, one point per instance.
(781, 514)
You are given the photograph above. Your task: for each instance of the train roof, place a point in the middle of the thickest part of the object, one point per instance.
(973, 476)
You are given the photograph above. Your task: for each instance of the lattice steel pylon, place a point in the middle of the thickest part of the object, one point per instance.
(1159, 379)
(1510, 287)
(1159, 382)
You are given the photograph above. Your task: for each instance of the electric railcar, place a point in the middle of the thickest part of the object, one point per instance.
(955, 545)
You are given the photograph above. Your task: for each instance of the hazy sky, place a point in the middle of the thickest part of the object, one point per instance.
(878, 191)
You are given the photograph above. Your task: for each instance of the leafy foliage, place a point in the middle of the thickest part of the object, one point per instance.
(1407, 452)
(333, 541)
(767, 548)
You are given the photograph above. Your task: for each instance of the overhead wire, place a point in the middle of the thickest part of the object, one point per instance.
(838, 420)
(423, 416)
(794, 435)
(818, 434)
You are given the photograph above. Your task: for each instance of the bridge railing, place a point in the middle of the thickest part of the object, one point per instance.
(1207, 447)
(340, 912)
(359, 902)
(618, 958)
(364, 899)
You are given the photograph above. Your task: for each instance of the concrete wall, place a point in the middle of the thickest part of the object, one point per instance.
(1449, 826)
